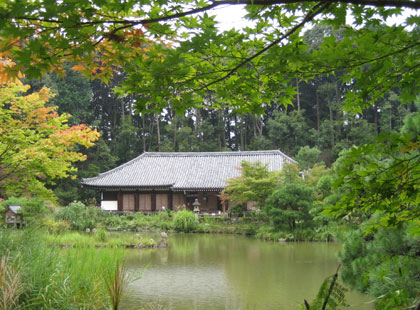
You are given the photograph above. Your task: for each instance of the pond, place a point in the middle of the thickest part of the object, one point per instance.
(211, 272)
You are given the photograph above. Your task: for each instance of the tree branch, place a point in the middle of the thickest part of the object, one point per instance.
(318, 8)
(130, 23)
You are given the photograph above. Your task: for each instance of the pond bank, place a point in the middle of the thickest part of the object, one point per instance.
(102, 239)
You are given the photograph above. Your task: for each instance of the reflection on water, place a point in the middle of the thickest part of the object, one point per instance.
(214, 272)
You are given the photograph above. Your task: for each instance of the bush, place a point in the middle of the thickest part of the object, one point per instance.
(185, 221)
(33, 210)
(290, 205)
(56, 227)
(237, 210)
(80, 216)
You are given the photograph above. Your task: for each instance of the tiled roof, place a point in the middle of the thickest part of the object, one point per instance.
(181, 171)
(14, 208)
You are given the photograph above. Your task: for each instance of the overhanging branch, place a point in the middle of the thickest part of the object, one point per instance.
(130, 23)
(318, 8)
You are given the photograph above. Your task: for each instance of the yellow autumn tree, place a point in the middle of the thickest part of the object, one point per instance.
(37, 145)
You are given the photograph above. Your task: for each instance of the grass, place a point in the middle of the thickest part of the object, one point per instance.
(34, 275)
(100, 239)
(11, 284)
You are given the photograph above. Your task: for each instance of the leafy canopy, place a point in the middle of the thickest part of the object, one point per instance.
(289, 205)
(256, 184)
(174, 55)
(36, 144)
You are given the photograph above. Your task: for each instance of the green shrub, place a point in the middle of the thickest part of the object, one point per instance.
(163, 216)
(80, 216)
(185, 221)
(33, 210)
(289, 206)
(55, 227)
(113, 221)
(237, 210)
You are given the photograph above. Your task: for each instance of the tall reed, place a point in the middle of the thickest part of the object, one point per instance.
(11, 284)
(116, 279)
(54, 278)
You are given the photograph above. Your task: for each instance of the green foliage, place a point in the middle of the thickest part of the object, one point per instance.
(180, 77)
(288, 131)
(80, 216)
(101, 235)
(384, 264)
(290, 174)
(307, 157)
(33, 209)
(184, 221)
(380, 177)
(255, 184)
(331, 295)
(237, 210)
(290, 205)
(127, 146)
(51, 278)
(37, 146)
(55, 226)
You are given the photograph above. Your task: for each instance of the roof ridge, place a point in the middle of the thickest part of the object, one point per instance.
(221, 153)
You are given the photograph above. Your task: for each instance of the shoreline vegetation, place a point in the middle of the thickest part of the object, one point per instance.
(79, 232)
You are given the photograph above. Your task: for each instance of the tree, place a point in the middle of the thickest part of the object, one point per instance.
(381, 177)
(36, 144)
(307, 157)
(289, 205)
(127, 144)
(255, 184)
(245, 69)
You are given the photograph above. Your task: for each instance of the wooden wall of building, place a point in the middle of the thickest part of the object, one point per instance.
(162, 201)
(154, 201)
(178, 201)
(145, 202)
(128, 202)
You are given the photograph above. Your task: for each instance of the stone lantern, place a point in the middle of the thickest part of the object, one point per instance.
(196, 206)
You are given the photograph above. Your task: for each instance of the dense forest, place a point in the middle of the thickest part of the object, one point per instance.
(317, 119)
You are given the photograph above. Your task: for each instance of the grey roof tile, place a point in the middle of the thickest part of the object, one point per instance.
(179, 171)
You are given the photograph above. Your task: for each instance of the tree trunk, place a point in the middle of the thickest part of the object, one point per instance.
(331, 123)
(143, 136)
(151, 128)
(197, 123)
(297, 94)
(175, 130)
(318, 117)
(338, 100)
(158, 130)
(242, 134)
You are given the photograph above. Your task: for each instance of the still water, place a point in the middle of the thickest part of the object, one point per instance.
(212, 272)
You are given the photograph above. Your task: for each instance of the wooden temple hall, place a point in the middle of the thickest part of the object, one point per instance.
(157, 181)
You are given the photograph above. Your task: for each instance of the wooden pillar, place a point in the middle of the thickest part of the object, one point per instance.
(119, 201)
(136, 202)
(153, 201)
(170, 201)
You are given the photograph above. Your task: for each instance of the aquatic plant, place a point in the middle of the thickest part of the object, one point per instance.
(185, 221)
(11, 284)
